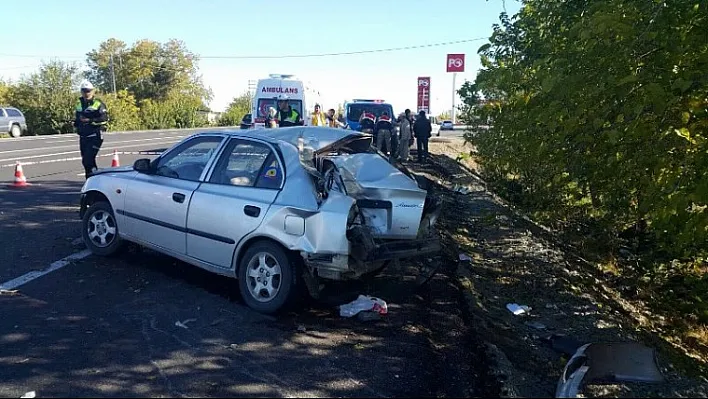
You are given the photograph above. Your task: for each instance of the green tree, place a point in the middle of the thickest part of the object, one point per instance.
(147, 69)
(5, 92)
(234, 113)
(445, 116)
(47, 98)
(123, 112)
(600, 113)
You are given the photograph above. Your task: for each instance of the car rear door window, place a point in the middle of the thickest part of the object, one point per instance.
(189, 159)
(13, 113)
(248, 164)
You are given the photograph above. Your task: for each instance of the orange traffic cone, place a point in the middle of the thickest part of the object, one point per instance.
(20, 179)
(115, 163)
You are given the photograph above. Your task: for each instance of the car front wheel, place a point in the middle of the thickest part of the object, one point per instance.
(267, 277)
(100, 231)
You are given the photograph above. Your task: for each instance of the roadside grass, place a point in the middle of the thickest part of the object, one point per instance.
(672, 290)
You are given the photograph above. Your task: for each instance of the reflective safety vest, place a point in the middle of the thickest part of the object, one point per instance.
(318, 119)
(293, 118)
(91, 109)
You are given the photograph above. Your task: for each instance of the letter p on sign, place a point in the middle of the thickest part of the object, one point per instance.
(455, 62)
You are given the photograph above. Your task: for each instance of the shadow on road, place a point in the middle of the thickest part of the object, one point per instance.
(38, 224)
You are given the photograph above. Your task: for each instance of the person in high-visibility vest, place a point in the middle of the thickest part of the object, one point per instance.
(287, 116)
(90, 122)
(318, 118)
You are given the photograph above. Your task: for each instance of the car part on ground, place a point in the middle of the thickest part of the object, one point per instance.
(608, 363)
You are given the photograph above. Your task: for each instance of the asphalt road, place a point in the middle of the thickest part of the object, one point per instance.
(107, 327)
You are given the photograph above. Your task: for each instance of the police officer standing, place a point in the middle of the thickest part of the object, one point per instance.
(287, 116)
(91, 121)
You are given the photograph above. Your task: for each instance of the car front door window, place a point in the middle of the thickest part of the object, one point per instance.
(188, 161)
(248, 164)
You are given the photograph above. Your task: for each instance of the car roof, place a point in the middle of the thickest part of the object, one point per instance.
(325, 135)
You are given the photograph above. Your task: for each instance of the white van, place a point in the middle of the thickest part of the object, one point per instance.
(268, 90)
(435, 124)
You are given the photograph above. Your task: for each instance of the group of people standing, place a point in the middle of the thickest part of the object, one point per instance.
(286, 116)
(394, 142)
(397, 142)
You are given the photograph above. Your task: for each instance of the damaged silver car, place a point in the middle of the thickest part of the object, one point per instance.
(273, 208)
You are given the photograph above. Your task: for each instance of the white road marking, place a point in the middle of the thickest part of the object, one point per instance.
(65, 153)
(110, 133)
(76, 141)
(26, 278)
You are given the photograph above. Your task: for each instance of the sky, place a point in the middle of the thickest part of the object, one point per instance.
(51, 29)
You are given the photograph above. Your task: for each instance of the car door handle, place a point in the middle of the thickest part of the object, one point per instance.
(252, 211)
(178, 197)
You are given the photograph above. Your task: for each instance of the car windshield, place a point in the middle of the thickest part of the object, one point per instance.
(265, 103)
(447, 122)
(354, 111)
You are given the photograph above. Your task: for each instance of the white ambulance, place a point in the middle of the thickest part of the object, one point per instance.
(301, 97)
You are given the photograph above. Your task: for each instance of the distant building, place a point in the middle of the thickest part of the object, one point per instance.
(211, 116)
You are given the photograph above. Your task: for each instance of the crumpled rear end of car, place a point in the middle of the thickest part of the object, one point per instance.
(392, 216)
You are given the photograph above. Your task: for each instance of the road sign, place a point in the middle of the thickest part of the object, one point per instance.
(424, 94)
(455, 62)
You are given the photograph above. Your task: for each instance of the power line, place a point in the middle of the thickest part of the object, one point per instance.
(253, 57)
(385, 50)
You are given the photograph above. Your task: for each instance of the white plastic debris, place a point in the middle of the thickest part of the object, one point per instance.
(465, 258)
(183, 324)
(535, 324)
(461, 189)
(517, 309)
(363, 303)
(30, 394)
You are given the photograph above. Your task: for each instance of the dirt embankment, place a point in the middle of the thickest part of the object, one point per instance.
(514, 260)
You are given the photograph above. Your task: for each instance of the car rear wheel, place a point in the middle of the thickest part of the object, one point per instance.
(15, 131)
(267, 277)
(100, 231)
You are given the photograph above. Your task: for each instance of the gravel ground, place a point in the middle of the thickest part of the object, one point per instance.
(514, 260)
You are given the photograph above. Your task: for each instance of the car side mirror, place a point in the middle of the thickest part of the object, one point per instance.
(143, 165)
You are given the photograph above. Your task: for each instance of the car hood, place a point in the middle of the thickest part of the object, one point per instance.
(322, 139)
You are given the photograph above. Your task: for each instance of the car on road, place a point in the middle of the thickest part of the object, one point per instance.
(277, 209)
(447, 125)
(246, 122)
(12, 121)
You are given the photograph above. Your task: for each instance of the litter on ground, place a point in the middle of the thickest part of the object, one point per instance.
(363, 303)
(183, 324)
(517, 309)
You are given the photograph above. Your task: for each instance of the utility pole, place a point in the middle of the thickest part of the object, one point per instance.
(113, 74)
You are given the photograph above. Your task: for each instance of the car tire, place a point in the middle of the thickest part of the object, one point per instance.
(15, 131)
(101, 220)
(252, 273)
